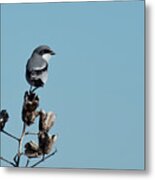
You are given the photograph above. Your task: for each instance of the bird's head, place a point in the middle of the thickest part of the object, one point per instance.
(44, 51)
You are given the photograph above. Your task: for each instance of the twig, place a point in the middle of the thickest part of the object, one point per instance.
(43, 159)
(31, 133)
(9, 162)
(27, 163)
(20, 145)
(10, 135)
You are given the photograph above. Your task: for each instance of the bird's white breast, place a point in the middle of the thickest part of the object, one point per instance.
(46, 57)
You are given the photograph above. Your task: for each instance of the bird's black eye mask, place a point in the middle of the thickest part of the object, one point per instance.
(45, 51)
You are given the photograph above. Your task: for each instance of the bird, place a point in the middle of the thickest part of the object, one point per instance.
(37, 67)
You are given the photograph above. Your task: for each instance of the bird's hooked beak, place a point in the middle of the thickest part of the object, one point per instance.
(52, 53)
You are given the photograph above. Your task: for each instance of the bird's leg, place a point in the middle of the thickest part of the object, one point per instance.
(34, 89)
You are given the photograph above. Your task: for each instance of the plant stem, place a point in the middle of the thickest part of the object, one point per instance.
(20, 144)
(31, 133)
(10, 135)
(9, 162)
(43, 159)
(27, 163)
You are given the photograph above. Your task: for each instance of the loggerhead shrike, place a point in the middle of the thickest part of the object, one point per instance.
(37, 67)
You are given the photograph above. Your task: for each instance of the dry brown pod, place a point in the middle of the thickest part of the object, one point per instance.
(32, 150)
(4, 116)
(46, 142)
(46, 120)
(29, 117)
(31, 102)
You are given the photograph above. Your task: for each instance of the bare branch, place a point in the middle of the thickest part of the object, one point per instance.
(20, 144)
(27, 162)
(9, 162)
(43, 159)
(31, 133)
(10, 135)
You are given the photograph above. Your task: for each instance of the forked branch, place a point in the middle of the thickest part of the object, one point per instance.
(45, 140)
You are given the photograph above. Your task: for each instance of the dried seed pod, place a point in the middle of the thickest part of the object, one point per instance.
(46, 142)
(54, 138)
(46, 120)
(4, 116)
(32, 150)
(29, 117)
(31, 102)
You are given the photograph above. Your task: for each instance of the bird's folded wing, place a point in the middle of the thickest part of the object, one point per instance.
(36, 63)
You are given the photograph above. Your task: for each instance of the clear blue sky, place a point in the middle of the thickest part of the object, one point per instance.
(96, 79)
